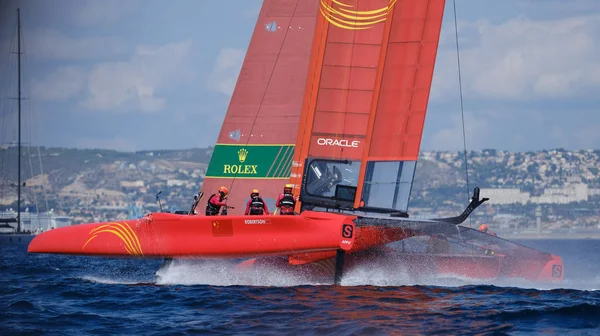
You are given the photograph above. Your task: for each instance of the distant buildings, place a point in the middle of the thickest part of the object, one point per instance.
(577, 192)
(505, 195)
(132, 184)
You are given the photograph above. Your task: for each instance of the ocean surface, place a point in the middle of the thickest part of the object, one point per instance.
(69, 295)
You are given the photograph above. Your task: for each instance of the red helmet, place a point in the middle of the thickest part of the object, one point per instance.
(483, 228)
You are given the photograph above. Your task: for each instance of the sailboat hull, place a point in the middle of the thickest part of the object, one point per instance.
(22, 239)
(172, 235)
(422, 266)
(412, 267)
(306, 243)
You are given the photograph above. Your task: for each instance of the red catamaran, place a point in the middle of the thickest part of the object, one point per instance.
(332, 98)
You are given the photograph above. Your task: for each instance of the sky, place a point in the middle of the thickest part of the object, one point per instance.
(157, 74)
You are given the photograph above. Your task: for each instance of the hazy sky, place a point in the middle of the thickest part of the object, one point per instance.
(158, 74)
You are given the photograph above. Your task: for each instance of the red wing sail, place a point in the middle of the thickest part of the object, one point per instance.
(398, 115)
(366, 97)
(256, 143)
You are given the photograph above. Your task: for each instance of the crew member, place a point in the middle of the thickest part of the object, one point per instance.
(286, 201)
(256, 205)
(216, 201)
(484, 228)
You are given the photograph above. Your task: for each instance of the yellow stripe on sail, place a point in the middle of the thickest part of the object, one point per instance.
(340, 16)
(355, 15)
(339, 3)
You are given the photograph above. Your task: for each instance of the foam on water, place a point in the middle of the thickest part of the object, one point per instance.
(109, 281)
(227, 273)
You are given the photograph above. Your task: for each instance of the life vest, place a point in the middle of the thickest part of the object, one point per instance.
(257, 206)
(212, 209)
(287, 201)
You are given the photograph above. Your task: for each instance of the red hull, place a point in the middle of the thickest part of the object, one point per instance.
(485, 267)
(171, 235)
(427, 266)
(310, 239)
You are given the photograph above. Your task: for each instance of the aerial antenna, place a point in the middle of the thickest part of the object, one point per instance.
(158, 199)
(462, 113)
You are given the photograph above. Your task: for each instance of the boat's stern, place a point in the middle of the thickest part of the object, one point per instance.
(553, 271)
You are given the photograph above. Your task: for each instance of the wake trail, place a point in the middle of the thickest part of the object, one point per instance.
(227, 273)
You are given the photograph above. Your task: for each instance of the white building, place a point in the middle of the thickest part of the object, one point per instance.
(571, 193)
(577, 192)
(34, 222)
(505, 195)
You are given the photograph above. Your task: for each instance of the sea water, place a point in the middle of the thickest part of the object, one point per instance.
(76, 295)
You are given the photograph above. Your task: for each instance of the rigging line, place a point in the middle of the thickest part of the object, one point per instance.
(7, 95)
(412, 96)
(29, 131)
(7, 106)
(32, 131)
(29, 134)
(288, 28)
(462, 113)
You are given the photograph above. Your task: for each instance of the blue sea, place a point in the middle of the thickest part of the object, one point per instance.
(69, 295)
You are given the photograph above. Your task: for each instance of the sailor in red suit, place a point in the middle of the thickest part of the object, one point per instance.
(256, 205)
(484, 228)
(286, 201)
(216, 201)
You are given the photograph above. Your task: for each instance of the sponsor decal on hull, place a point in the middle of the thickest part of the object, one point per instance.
(122, 231)
(347, 236)
(257, 221)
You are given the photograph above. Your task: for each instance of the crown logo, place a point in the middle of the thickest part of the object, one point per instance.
(242, 154)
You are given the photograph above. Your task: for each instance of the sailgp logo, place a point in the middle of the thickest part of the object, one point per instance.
(344, 14)
(557, 271)
(338, 143)
(347, 231)
(123, 231)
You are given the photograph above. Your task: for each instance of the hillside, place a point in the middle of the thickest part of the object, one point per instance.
(88, 183)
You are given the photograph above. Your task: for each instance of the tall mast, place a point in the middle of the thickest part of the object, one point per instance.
(19, 117)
